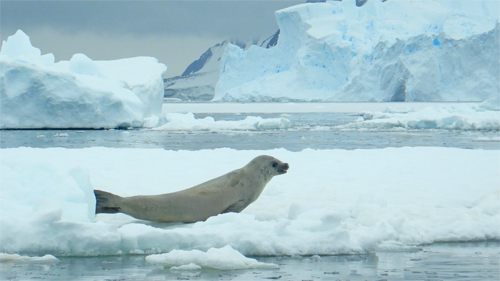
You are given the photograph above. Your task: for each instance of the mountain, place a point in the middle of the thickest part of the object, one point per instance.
(197, 82)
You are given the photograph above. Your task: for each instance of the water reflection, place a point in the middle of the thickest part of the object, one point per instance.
(446, 261)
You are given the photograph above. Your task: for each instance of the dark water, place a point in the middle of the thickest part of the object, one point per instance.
(447, 261)
(303, 134)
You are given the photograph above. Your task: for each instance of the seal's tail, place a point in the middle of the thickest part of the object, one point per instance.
(106, 202)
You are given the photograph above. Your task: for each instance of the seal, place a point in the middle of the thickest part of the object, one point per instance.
(231, 192)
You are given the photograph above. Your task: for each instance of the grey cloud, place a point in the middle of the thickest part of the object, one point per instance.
(233, 19)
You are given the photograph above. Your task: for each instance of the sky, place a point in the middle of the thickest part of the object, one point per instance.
(175, 32)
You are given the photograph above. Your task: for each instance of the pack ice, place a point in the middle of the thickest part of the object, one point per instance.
(383, 51)
(36, 92)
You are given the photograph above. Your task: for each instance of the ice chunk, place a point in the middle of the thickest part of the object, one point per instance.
(81, 64)
(26, 259)
(66, 196)
(187, 122)
(225, 258)
(19, 45)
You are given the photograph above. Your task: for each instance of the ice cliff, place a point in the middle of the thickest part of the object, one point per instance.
(36, 92)
(383, 51)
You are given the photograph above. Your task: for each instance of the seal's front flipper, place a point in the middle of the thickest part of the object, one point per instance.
(106, 202)
(236, 207)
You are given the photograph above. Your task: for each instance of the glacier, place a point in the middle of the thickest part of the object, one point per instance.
(37, 92)
(382, 51)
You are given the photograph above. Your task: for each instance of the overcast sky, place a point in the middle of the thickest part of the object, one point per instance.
(175, 32)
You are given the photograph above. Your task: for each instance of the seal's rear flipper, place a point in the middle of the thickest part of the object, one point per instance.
(106, 202)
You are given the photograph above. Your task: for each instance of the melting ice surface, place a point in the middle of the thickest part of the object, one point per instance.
(383, 51)
(36, 92)
(330, 202)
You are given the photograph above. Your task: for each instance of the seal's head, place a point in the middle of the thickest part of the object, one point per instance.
(269, 165)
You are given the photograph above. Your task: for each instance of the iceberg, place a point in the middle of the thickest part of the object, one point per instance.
(382, 51)
(36, 92)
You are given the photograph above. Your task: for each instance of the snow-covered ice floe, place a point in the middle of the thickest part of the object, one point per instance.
(330, 201)
(36, 92)
(15, 258)
(187, 122)
(483, 116)
(395, 50)
(225, 258)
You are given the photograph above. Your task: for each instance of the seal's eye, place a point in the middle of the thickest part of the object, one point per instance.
(275, 164)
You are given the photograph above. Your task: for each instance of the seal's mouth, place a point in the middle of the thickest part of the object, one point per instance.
(283, 169)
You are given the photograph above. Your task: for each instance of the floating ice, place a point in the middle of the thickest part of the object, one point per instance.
(454, 117)
(15, 258)
(186, 267)
(330, 202)
(396, 50)
(225, 258)
(187, 122)
(35, 92)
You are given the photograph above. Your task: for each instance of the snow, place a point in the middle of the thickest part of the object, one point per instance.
(330, 202)
(225, 258)
(36, 92)
(396, 50)
(187, 122)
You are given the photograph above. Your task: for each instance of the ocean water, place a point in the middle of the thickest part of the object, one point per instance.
(446, 261)
(308, 130)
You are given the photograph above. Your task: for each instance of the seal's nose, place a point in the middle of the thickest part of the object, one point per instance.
(283, 168)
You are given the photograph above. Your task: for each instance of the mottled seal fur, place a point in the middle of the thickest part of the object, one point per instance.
(231, 192)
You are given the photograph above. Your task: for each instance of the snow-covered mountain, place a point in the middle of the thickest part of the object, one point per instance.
(197, 82)
(396, 50)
